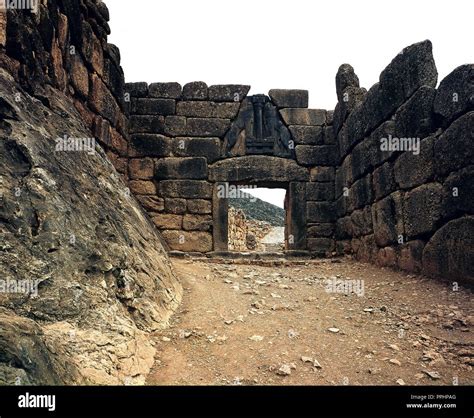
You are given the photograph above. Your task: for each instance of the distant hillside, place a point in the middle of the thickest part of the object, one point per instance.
(259, 210)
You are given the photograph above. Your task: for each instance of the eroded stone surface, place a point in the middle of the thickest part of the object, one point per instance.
(70, 223)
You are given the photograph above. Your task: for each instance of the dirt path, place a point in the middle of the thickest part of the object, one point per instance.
(275, 236)
(248, 324)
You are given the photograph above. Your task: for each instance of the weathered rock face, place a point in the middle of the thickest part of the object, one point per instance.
(84, 274)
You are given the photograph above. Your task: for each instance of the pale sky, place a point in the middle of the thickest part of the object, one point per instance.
(283, 43)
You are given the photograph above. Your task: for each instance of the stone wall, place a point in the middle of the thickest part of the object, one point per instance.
(186, 142)
(402, 207)
(63, 45)
(346, 194)
(246, 234)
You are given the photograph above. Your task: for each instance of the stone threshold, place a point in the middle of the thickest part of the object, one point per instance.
(258, 258)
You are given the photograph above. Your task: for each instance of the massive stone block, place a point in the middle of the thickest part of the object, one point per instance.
(415, 169)
(147, 124)
(210, 148)
(207, 127)
(387, 217)
(454, 148)
(197, 222)
(253, 168)
(188, 241)
(289, 98)
(320, 191)
(92, 49)
(167, 221)
(329, 137)
(181, 168)
(362, 222)
(187, 189)
(455, 94)
(411, 254)
(141, 168)
(139, 89)
(307, 135)
(351, 98)
(344, 228)
(365, 248)
(387, 257)
(378, 135)
(450, 251)
(415, 118)
(228, 92)
(114, 77)
(79, 76)
(175, 125)
(343, 177)
(312, 155)
(422, 209)
(322, 174)
(196, 90)
(361, 193)
(458, 193)
(207, 109)
(364, 157)
(102, 101)
(383, 180)
(409, 70)
(321, 230)
(297, 116)
(345, 77)
(320, 212)
(199, 206)
(145, 106)
(148, 145)
(176, 206)
(296, 214)
(412, 68)
(165, 90)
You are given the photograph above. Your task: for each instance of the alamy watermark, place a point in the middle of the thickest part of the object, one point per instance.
(37, 401)
(345, 286)
(25, 287)
(71, 144)
(19, 5)
(230, 191)
(400, 144)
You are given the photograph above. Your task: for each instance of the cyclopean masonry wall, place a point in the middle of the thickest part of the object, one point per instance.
(398, 207)
(347, 195)
(64, 46)
(190, 144)
(349, 188)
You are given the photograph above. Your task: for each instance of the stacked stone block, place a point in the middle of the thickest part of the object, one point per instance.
(176, 159)
(176, 133)
(64, 45)
(400, 208)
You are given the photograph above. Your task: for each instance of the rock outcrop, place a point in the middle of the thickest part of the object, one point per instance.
(97, 275)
